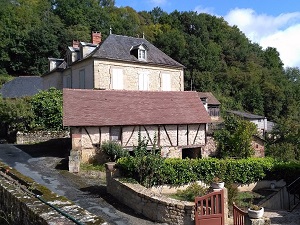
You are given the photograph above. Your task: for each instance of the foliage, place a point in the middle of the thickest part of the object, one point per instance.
(145, 166)
(114, 150)
(289, 171)
(192, 191)
(234, 140)
(5, 78)
(184, 171)
(284, 140)
(15, 115)
(92, 166)
(47, 108)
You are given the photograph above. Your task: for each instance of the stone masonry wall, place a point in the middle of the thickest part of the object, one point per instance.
(152, 205)
(41, 136)
(28, 210)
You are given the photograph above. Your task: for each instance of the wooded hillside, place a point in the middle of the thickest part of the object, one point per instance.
(218, 57)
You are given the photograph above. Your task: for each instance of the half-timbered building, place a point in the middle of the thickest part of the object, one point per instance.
(177, 121)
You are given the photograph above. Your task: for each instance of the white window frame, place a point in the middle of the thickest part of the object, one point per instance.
(142, 54)
(117, 79)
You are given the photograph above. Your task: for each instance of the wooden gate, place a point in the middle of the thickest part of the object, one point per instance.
(209, 209)
(238, 216)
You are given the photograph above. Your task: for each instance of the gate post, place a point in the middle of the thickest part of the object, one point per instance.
(262, 221)
(225, 205)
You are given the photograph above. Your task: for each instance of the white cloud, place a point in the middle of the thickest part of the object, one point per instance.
(158, 2)
(281, 32)
(200, 9)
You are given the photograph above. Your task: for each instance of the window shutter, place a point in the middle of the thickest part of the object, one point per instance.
(81, 79)
(143, 81)
(117, 79)
(166, 82)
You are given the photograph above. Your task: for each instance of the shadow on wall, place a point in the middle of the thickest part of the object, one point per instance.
(59, 147)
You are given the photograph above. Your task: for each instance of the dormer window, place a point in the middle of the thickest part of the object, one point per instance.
(139, 51)
(142, 54)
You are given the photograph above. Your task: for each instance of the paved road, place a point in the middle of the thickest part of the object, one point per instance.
(45, 166)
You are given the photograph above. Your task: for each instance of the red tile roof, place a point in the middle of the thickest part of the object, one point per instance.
(111, 107)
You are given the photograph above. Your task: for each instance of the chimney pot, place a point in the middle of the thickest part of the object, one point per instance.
(75, 44)
(96, 37)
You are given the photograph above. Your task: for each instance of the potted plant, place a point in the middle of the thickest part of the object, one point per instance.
(255, 211)
(217, 183)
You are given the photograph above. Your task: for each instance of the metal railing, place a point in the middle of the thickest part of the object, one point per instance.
(293, 190)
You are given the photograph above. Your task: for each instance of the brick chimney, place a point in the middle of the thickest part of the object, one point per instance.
(96, 37)
(75, 44)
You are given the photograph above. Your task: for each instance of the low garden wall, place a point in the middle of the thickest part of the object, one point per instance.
(40, 136)
(152, 205)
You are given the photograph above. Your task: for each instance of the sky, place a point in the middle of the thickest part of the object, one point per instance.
(270, 23)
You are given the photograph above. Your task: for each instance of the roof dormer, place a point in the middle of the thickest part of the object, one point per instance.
(140, 51)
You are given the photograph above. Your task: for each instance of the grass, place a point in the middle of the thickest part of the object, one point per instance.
(92, 166)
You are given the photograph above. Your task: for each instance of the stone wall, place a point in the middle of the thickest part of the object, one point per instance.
(40, 136)
(152, 205)
(22, 208)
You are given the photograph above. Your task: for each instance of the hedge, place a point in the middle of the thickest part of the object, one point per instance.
(183, 171)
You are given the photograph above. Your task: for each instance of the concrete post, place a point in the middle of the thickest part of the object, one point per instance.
(74, 161)
(262, 221)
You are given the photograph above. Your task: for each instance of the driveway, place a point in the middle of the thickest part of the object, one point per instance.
(48, 166)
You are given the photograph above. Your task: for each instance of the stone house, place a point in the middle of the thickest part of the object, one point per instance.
(176, 120)
(258, 145)
(118, 63)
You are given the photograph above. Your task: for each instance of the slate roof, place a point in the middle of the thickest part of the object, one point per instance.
(211, 99)
(112, 107)
(117, 47)
(247, 115)
(22, 86)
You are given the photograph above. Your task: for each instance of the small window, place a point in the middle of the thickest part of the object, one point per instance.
(115, 133)
(142, 54)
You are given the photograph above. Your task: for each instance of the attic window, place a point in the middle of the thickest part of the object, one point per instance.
(142, 54)
(139, 51)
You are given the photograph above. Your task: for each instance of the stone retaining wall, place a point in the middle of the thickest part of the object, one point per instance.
(21, 208)
(152, 205)
(40, 136)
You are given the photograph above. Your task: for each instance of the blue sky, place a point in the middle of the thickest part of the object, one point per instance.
(271, 23)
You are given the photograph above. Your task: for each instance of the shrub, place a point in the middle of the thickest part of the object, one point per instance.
(192, 191)
(47, 108)
(114, 150)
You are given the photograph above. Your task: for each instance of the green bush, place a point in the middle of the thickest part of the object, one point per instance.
(289, 171)
(114, 150)
(184, 171)
(192, 191)
(47, 108)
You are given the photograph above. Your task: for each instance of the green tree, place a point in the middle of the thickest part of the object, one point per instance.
(15, 115)
(234, 139)
(47, 108)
